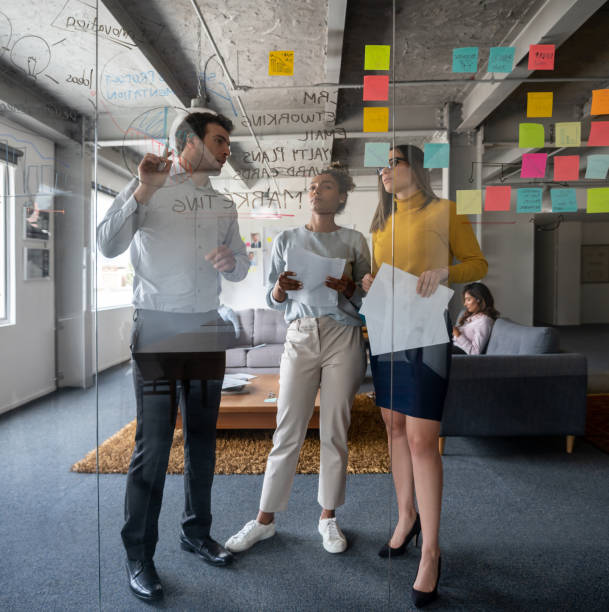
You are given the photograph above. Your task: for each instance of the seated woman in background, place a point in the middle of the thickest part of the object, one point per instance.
(471, 334)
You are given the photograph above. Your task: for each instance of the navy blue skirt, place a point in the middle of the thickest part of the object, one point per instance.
(420, 379)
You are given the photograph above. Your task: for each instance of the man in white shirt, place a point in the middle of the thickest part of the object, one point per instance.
(182, 236)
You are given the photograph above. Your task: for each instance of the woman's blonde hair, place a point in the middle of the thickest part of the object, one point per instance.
(387, 204)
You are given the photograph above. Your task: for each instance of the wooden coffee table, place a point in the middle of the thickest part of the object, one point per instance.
(250, 411)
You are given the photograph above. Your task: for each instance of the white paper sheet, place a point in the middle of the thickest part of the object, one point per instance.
(312, 270)
(417, 321)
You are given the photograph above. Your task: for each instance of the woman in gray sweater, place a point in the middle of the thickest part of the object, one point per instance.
(323, 350)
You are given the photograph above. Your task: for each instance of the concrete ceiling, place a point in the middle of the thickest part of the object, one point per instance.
(150, 54)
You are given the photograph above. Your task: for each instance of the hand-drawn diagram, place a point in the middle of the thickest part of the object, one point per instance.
(6, 32)
(31, 54)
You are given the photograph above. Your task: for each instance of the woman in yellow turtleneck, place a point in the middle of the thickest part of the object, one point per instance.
(423, 238)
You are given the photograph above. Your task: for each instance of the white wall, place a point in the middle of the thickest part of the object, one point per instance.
(27, 348)
(595, 297)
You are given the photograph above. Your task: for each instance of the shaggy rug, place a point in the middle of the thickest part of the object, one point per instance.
(245, 451)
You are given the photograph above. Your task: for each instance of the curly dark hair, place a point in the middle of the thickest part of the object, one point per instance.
(481, 293)
(343, 179)
(196, 123)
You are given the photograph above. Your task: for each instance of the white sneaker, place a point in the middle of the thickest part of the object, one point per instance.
(252, 532)
(334, 539)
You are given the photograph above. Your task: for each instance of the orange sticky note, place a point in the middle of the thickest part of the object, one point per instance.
(539, 103)
(497, 197)
(541, 57)
(281, 63)
(376, 87)
(376, 119)
(600, 102)
(599, 134)
(566, 167)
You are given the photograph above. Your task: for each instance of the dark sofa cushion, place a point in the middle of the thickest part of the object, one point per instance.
(509, 338)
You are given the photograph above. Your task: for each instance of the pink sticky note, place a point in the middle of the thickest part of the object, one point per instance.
(566, 167)
(533, 165)
(541, 57)
(599, 134)
(497, 198)
(376, 87)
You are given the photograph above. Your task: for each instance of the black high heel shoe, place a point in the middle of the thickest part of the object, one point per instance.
(422, 598)
(388, 551)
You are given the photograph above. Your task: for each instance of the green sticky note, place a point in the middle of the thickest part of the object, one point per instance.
(377, 57)
(598, 200)
(531, 135)
(469, 201)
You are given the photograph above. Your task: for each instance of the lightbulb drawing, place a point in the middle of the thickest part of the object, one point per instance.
(6, 31)
(31, 54)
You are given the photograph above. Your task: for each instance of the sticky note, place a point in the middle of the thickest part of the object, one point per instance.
(568, 134)
(270, 400)
(597, 166)
(539, 103)
(531, 135)
(563, 200)
(566, 167)
(376, 87)
(376, 57)
(501, 59)
(598, 200)
(469, 201)
(376, 154)
(599, 134)
(436, 155)
(529, 200)
(281, 63)
(497, 197)
(533, 165)
(541, 57)
(600, 102)
(465, 59)
(376, 118)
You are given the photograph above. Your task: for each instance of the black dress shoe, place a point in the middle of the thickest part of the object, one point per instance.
(422, 598)
(144, 582)
(209, 550)
(388, 551)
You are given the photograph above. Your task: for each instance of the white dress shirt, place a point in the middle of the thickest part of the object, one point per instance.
(475, 333)
(169, 238)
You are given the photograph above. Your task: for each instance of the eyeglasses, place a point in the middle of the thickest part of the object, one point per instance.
(392, 163)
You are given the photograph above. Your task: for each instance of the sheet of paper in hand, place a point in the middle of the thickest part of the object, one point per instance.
(417, 321)
(312, 270)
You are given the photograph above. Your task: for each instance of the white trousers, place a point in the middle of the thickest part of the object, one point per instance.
(318, 353)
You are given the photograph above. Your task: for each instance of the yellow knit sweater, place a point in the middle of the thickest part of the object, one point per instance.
(430, 238)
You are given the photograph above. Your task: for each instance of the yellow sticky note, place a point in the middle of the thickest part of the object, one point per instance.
(376, 119)
(600, 102)
(281, 63)
(568, 134)
(376, 57)
(469, 201)
(539, 103)
(598, 200)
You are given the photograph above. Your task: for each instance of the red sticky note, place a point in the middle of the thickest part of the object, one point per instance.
(599, 134)
(497, 198)
(533, 165)
(376, 87)
(541, 57)
(566, 167)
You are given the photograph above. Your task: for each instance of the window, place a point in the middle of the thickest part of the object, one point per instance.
(6, 240)
(114, 276)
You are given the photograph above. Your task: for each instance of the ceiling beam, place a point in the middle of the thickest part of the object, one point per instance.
(554, 23)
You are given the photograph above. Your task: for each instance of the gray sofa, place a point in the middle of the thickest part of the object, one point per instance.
(521, 386)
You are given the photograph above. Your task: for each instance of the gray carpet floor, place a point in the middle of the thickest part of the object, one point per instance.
(524, 527)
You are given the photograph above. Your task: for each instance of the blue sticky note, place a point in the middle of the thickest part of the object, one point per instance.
(465, 59)
(529, 200)
(501, 59)
(563, 200)
(597, 166)
(436, 155)
(376, 154)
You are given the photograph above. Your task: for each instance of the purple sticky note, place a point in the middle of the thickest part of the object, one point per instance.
(534, 165)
